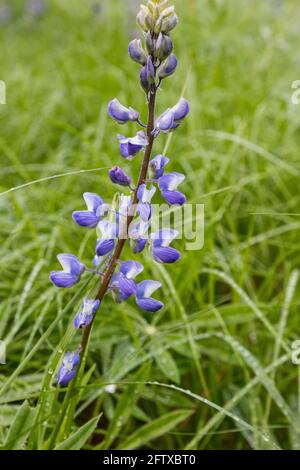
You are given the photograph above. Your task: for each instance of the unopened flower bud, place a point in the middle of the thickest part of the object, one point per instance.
(118, 176)
(137, 52)
(147, 75)
(150, 43)
(158, 25)
(181, 110)
(164, 46)
(165, 122)
(169, 23)
(120, 113)
(141, 18)
(144, 79)
(168, 67)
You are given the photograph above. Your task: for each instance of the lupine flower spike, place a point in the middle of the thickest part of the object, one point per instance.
(131, 212)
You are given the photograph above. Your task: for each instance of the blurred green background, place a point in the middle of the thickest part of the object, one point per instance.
(232, 309)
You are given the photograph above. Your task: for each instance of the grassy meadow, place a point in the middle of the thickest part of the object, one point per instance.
(213, 369)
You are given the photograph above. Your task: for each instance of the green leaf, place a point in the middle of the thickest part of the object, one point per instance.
(77, 440)
(20, 427)
(167, 365)
(124, 407)
(156, 428)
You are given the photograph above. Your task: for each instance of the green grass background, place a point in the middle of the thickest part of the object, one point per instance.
(231, 309)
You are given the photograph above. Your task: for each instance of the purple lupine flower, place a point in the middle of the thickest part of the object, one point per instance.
(106, 243)
(157, 166)
(96, 210)
(86, 314)
(120, 113)
(180, 111)
(145, 196)
(163, 47)
(144, 290)
(161, 251)
(72, 270)
(165, 122)
(67, 370)
(168, 67)
(129, 147)
(118, 176)
(136, 52)
(168, 185)
(137, 234)
(123, 281)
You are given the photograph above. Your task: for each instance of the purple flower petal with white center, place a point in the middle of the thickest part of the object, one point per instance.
(157, 166)
(165, 122)
(181, 110)
(118, 176)
(168, 67)
(138, 229)
(72, 270)
(174, 197)
(168, 185)
(106, 242)
(120, 113)
(170, 181)
(161, 251)
(137, 234)
(144, 194)
(129, 147)
(163, 237)
(96, 209)
(131, 269)
(67, 370)
(144, 290)
(86, 314)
